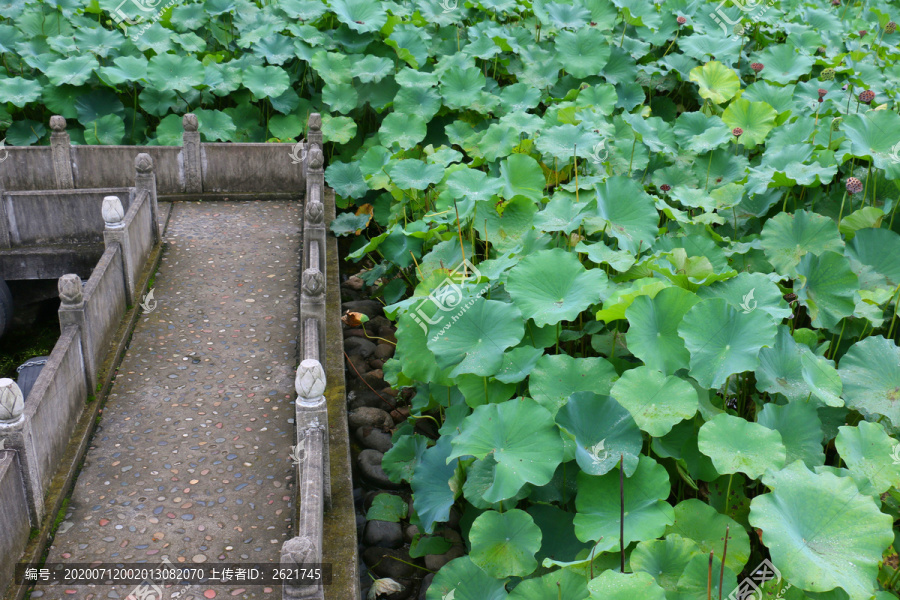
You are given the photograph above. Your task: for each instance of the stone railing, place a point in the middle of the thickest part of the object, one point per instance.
(38, 428)
(311, 407)
(194, 169)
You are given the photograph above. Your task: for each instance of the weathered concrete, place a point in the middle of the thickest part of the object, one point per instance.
(49, 261)
(14, 522)
(191, 461)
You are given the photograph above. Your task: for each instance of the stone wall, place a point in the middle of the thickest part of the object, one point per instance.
(194, 168)
(14, 521)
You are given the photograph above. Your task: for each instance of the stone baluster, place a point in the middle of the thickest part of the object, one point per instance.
(145, 179)
(116, 232)
(190, 152)
(13, 437)
(61, 149)
(72, 312)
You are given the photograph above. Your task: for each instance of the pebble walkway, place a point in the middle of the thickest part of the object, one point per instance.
(190, 461)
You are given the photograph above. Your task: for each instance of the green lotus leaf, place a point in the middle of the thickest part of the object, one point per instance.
(504, 544)
(340, 97)
(723, 341)
(871, 378)
(360, 15)
(582, 53)
(332, 67)
(563, 582)
(461, 579)
(521, 437)
(518, 363)
(656, 402)
(736, 445)
(698, 521)
(498, 141)
(264, 82)
(756, 119)
(717, 82)
(552, 286)
(565, 16)
(556, 376)
(480, 478)
(562, 141)
(869, 453)
(699, 133)
(864, 218)
(109, 130)
(749, 291)
(521, 175)
(793, 370)
(127, 68)
(598, 505)
(788, 237)
(611, 585)
(601, 254)
(338, 129)
(460, 86)
(666, 559)
(400, 461)
(604, 432)
(800, 429)
(562, 213)
(420, 101)
(655, 133)
(403, 131)
(828, 289)
(417, 361)
(694, 581)
(615, 306)
(877, 249)
(215, 125)
(346, 179)
(472, 183)
(505, 231)
(626, 212)
(372, 69)
(802, 518)
(784, 63)
(178, 73)
(871, 135)
(430, 483)
(388, 507)
(653, 329)
(412, 174)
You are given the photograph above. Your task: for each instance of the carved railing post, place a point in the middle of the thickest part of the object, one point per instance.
(145, 179)
(71, 312)
(315, 173)
(116, 232)
(61, 148)
(190, 152)
(13, 437)
(314, 131)
(312, 309)
(314, 477)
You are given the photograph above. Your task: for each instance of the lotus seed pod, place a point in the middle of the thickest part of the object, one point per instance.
(827, 74)
(310, 380)
(112, 211)
(12, 403)
(681, 20)
(854, 185)
(822, 92)
(891, 27)
(665, 187)
(836, 123)
(738, 29)
(757, 67)
(867, 96)
(737, 132)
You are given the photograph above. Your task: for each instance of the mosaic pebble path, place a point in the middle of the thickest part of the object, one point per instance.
(191, 460)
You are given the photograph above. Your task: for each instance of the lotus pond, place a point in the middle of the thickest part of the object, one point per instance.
(642, 258)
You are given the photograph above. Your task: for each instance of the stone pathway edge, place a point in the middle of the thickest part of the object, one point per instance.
(64, 479)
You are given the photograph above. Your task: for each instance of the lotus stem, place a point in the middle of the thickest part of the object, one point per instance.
(841, 213)
(840, 337)
(866, 191)
(677, 31)
(894, 318)
(709, 577)
(708, 167)
(724, 554)
(893, 210)
(622, 511)
(630, 162)
(849, 97)
(727, 498)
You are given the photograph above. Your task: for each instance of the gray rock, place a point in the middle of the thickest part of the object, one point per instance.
(383, 534)
(370, 308)
(369, 462)
(366, 397)
(384, 351)
(434, 562)
(375, 439)
(357, 346)
(381, 562)
(426, 583)
(409, 533)
(368, 416)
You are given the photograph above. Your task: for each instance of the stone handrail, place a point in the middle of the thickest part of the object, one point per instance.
(311, 408)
